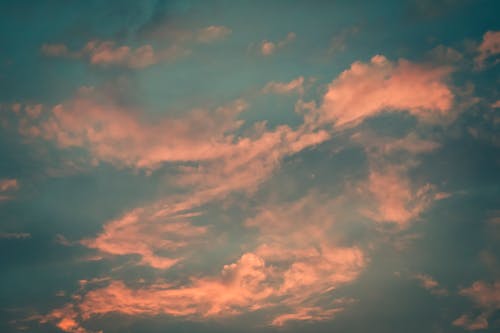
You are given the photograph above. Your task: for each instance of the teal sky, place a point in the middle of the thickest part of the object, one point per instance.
(249, 166)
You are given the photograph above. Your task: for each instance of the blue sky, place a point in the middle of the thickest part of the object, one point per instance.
(249, 166)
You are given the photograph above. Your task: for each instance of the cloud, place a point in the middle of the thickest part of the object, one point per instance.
(139, 233)
(395, 198)
(268, 48)
(429, 283)
(471, 324)
(284, 88)
(115, 134)
(486, 296)
(367, 89)
(338, 42)
(55, 50)
(489, 48)
(292, 266)
(14, 235)
(305, 254)
(8, 184)
(212, 33)
(444, 55)
(107, 53)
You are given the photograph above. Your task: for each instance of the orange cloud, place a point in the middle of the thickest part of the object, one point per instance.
(367, 89)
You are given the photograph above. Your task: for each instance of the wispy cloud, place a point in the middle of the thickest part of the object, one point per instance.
(489, 48)
(295, 85)
(486, 296)
(268, 48)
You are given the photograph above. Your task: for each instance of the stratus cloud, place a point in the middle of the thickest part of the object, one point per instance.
(367, 89)
(295, 85)
(489, 48)
(267, 48)
(486, 296)
(107, 53)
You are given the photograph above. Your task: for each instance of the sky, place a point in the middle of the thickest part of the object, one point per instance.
(249, 166)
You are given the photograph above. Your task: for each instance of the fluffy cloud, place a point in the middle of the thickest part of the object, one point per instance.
(367, 89)
(489, 48)
(117, 135)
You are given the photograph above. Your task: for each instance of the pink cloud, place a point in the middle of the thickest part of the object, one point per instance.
(429, 283)
(367, 89)
(295, 85)
(139, 233)
(396, 199)
(293, 265)
(471, 324)
(117, 135)
(489, 47)
(267, 48)
(107, 53)
(486, 296)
